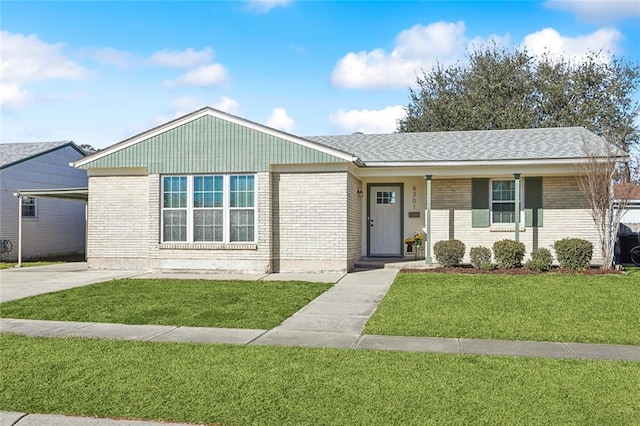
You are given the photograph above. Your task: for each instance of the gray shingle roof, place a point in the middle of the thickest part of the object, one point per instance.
(11, 153)
(479, 145)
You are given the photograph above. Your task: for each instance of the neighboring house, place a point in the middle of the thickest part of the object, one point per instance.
(50, 227)
(630, 221)
(212, 191)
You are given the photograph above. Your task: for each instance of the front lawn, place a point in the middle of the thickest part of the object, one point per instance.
(197, 303)
(547, 307)
(244, 385)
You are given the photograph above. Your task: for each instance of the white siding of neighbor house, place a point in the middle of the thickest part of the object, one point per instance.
(59, 228)
(564, 216)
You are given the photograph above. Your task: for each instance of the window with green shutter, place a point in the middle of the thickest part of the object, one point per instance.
(480, 203)
(533, 201)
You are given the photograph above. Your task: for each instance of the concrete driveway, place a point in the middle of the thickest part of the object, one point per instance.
(17, 283)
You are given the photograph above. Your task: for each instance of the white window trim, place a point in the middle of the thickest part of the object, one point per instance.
(226, 209)
(35, 208)
(503, 224)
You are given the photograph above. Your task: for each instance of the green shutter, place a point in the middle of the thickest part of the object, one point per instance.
(533, 201)
(480, 203)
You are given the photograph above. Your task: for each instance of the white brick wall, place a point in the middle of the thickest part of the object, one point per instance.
(117, 222)
(564, 216)
(354, 220)
(311, 221)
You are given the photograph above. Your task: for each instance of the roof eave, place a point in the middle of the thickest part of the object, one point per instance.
(476, 163)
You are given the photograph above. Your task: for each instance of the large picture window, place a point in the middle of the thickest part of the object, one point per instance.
(208, 208)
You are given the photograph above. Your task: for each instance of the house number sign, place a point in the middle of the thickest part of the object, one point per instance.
(414, 198)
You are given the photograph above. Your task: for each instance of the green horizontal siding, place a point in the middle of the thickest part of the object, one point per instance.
(211, 145)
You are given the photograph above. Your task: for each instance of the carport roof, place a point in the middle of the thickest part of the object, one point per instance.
(80, 194)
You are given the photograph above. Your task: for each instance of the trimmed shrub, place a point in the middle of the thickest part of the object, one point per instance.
(508, 253)
(573, 253)
(449, 252)
(541, 260)
(488, 266)
(479, 255)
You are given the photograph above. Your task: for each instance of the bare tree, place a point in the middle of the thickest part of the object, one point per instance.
(603, 167)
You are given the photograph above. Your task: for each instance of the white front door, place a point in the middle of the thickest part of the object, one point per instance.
(385, 220)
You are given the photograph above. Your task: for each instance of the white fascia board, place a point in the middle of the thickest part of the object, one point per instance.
(223, 116)
(484, 163)
(471, 171)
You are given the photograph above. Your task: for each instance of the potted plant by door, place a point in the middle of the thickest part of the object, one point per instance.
(418, 238)
(409, 241)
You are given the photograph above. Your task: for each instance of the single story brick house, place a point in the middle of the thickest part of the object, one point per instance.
(212, 191)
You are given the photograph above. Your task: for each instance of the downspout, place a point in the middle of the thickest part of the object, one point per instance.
(517, 206)
(427, 229)
(19, 229)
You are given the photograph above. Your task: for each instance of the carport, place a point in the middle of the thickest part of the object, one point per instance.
(77, 194)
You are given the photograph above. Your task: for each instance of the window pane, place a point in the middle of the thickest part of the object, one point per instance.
(242, 225)
(385, 197)
(503, 213)
(503, 190)
(207, 225)
(204, 194)
(28, 207)
(242, 192)
(175, 225)
(175, 192)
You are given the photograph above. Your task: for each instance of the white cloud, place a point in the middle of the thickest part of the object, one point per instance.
(12, 96)
(598, 11)
(264, 6)
(280, 120)
(550, 41)
(118, 58)
(26, 59)
(187, 58)
(416, 48)
(368, 121)
(227, 104)
(206, 75)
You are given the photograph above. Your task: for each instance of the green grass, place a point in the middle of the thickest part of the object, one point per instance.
(197, 303)
(548, 307)
(244, 385)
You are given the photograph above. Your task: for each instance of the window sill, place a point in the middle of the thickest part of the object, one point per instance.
(209, 246)
(505, 228)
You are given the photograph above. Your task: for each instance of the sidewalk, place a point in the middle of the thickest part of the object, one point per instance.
(10, 418)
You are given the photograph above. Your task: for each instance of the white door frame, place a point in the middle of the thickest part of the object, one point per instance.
(370, 201)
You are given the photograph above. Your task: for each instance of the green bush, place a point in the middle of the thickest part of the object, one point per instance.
(573, 253)
(488, 266)
(479, 255)
(449, 252)
(541, 260)
(508, 253)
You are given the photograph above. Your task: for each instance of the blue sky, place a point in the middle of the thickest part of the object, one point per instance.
(99, 72)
